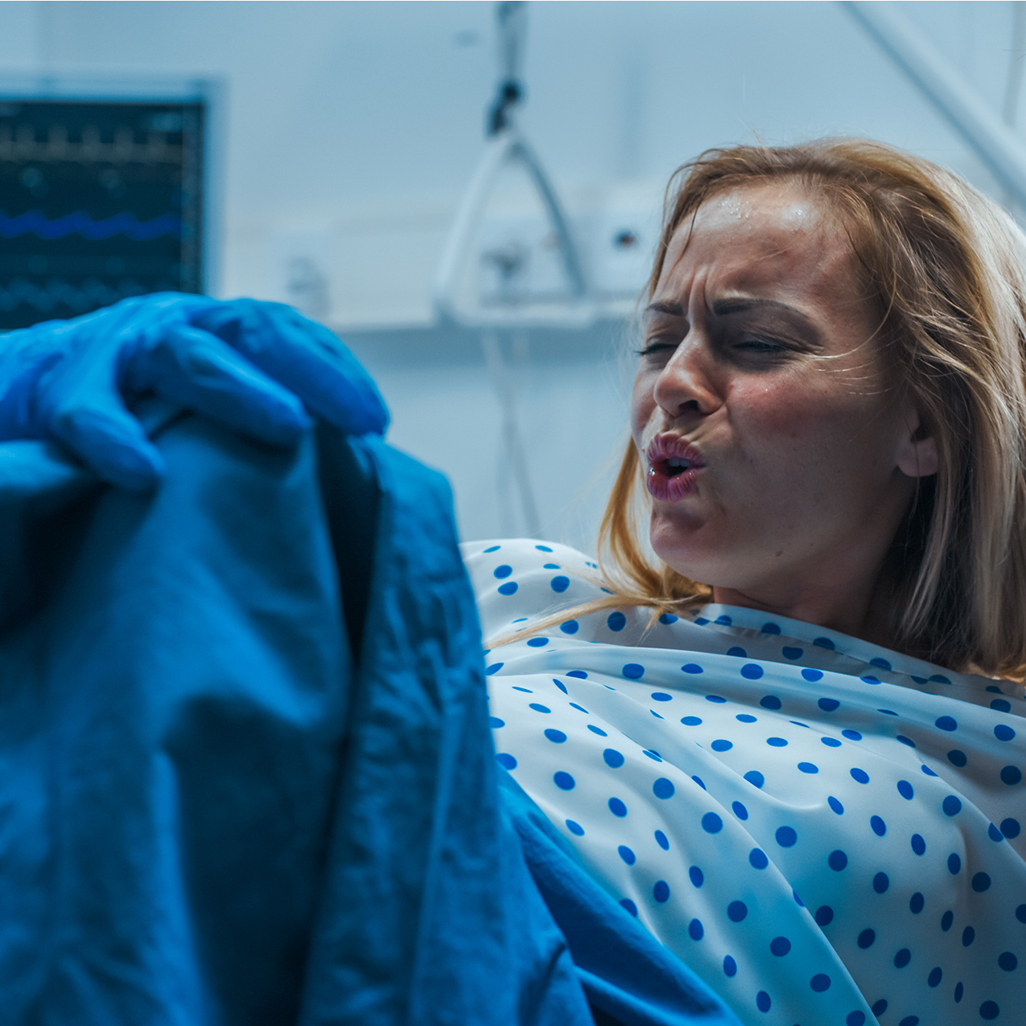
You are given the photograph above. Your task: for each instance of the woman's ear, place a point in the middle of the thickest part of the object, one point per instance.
(917, 452)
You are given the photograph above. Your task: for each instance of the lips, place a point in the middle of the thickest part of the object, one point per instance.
(673, 467)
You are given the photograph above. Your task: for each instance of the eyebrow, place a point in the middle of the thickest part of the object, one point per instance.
(671, 309)
(725, 307)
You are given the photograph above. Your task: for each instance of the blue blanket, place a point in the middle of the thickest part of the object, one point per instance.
(245, 769)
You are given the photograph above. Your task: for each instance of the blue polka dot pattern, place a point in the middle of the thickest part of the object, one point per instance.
(711, 823)
(663, 788)
(786, 836)
(837, 860)
(736, 911)
(903, 871)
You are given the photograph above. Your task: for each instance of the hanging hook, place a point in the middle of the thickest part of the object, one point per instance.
(512, 19)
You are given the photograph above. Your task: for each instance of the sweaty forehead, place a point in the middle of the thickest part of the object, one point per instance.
(771, 241)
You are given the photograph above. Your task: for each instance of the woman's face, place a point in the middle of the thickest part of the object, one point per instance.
(779, 458)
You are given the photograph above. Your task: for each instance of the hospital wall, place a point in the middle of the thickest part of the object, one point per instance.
(348, 131)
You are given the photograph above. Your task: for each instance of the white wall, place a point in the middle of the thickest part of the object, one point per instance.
(352, 129)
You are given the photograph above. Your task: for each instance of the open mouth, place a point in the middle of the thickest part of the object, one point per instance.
(673, 467)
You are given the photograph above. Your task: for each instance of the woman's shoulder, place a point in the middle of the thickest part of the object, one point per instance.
(517, 579)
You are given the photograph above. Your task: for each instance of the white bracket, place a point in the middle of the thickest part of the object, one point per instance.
(575, 310)
(940, 82)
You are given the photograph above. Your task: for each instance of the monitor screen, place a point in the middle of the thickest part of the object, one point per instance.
(99, 200)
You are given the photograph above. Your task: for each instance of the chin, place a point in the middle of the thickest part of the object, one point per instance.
(684, 554)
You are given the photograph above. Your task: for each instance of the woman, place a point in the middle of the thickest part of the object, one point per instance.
(804, 773)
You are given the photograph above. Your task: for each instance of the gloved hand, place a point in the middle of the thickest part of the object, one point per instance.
(250, 366)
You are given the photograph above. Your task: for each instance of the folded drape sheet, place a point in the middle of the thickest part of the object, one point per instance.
(246, 775)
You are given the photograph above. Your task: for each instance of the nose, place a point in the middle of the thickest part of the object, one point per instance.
(688, 383)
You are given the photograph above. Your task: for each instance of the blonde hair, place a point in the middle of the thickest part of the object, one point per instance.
(947, 269)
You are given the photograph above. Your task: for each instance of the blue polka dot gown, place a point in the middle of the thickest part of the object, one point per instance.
(826, 831)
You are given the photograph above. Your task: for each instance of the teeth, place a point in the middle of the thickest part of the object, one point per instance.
(676, 463)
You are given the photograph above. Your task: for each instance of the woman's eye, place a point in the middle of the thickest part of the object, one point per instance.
(657, 346)
(756, 344)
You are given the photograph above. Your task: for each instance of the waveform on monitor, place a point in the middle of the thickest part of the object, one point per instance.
(33, 222)
(57, 292)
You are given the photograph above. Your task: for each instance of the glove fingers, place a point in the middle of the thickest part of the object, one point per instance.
(110, 442)
(192, 367)
(306, 358)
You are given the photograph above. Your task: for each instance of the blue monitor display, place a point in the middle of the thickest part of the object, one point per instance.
(99, 200)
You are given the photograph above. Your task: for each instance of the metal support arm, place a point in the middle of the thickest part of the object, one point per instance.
(940, 82)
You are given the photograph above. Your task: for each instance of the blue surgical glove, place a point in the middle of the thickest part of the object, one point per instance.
(254, 367)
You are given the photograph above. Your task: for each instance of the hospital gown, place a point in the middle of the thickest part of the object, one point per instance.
(825, 831)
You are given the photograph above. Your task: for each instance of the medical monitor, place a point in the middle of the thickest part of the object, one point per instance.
(100, 199)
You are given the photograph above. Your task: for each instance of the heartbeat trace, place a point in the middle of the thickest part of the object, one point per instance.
(90, 296)
(125, 223)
